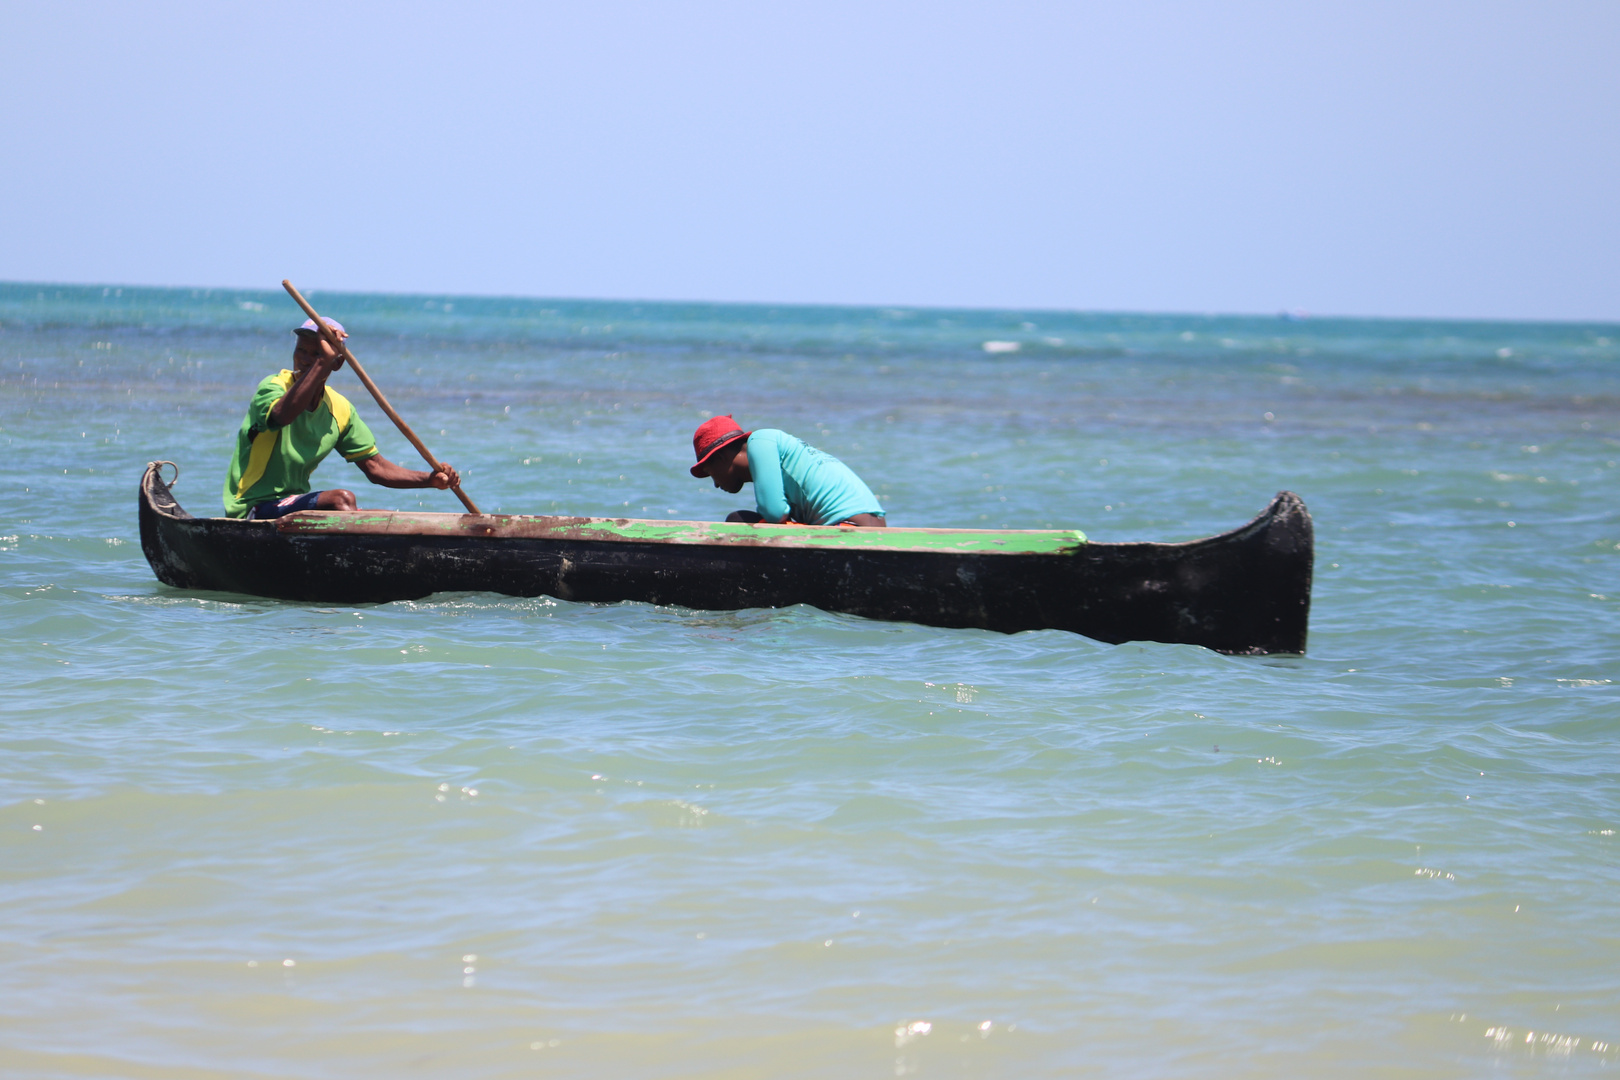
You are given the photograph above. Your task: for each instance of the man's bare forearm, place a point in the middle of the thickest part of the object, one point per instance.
(379, 470)
(303, 394)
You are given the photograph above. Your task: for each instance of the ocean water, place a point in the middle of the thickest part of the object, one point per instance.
(479, 836)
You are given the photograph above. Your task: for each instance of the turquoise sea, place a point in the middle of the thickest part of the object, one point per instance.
(478, 836)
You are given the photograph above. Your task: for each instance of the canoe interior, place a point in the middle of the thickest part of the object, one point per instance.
(1243, 592)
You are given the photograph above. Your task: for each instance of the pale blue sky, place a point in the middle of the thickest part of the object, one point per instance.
(1411, 158)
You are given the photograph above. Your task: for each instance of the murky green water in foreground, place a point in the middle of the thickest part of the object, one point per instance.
(482, 836)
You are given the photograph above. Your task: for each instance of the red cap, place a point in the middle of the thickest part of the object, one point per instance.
(711, 435)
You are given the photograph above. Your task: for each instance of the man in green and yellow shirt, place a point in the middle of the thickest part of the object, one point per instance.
(292, 423)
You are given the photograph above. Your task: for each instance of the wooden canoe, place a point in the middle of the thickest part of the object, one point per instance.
(1247, 591)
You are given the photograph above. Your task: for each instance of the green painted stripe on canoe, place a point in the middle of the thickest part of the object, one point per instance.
(503, 526)
(1021, 542)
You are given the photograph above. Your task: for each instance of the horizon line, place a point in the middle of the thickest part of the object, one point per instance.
(1286, 314)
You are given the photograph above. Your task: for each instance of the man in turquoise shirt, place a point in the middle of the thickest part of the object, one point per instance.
(793, 481)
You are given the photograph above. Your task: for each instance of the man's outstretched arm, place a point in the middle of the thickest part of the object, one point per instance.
(379, 470)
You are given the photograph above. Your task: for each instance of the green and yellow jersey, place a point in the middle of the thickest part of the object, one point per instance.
(272, 463)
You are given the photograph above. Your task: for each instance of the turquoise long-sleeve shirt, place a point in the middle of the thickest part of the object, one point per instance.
(794, 479)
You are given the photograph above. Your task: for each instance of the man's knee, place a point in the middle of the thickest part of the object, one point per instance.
(336, 499)
(746, 516)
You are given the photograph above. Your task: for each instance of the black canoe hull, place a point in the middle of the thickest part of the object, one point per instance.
(1243, 592)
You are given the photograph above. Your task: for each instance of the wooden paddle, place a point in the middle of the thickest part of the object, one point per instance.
(399, 421)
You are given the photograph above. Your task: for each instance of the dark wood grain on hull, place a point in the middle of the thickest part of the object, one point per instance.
(1246, 591)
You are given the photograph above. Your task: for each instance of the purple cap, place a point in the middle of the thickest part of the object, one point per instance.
(310, 327)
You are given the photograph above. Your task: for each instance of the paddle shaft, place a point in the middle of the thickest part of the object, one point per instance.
(399, 421)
